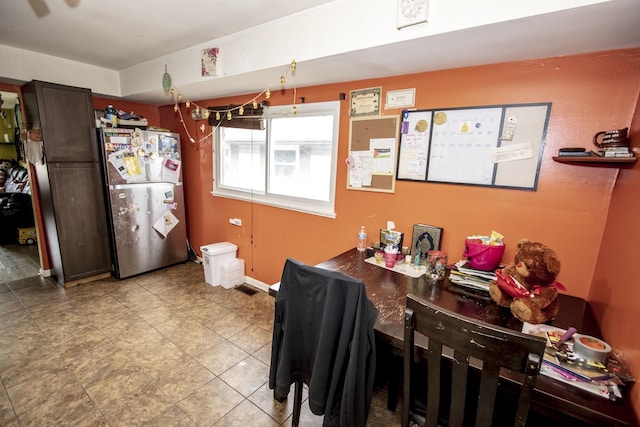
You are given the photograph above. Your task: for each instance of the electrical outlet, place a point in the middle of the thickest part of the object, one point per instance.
(235, 221)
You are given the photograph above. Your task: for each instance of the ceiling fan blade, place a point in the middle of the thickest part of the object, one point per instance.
(39, 7)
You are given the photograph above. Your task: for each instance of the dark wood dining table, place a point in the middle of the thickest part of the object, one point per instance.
(388, 289)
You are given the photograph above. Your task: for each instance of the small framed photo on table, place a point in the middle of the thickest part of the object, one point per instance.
(425, 238)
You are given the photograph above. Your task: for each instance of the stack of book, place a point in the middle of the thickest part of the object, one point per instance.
(574, 152)
(464, 275)
(562, 364)
(133, 123)
(615, 152)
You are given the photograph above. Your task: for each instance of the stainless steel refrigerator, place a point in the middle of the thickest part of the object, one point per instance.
(143, 178)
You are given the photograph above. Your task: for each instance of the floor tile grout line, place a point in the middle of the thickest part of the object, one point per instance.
(134, 310)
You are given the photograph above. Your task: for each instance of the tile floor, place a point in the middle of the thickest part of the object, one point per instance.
(160, 349)
(18, 262)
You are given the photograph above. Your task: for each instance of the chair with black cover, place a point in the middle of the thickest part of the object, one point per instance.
(323, 336)
(464, 356)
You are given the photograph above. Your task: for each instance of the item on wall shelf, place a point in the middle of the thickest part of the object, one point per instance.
(609, 152)
(611, 138)
(572, 152)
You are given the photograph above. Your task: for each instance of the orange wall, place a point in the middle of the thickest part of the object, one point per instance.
(615, 292)
(568, 211)
(150, 112)
(586, 213)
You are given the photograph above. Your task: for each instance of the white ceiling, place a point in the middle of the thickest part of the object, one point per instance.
(135, 37)
(117, 34)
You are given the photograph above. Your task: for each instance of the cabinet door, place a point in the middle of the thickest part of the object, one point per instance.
(79, 209)
(68, 123)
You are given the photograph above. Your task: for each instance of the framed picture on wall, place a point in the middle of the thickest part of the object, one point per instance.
(425, 238)
(412, 12)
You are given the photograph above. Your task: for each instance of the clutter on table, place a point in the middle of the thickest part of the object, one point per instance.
(582, 361)
(484, 252)
(464, 275)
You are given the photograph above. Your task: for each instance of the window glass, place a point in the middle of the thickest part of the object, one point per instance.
(289, 164)
(301, 156)
(242, 159)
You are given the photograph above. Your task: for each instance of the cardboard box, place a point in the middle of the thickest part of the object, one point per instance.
(391, 237)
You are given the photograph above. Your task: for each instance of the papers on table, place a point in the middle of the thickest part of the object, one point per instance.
(464, 275)
(565, 366)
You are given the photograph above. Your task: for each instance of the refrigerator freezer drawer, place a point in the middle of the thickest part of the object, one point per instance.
(135, 209)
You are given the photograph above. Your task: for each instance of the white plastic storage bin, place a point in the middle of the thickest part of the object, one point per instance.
(213, 256)
(232, 273)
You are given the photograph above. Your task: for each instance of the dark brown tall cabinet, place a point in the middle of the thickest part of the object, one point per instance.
(69, 181)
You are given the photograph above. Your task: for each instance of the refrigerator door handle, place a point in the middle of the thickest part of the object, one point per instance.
(145, 184)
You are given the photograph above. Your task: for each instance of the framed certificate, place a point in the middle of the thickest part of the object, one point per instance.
(401, 98)
(365, 102)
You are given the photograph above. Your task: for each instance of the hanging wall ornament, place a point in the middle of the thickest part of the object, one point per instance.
(166, 80)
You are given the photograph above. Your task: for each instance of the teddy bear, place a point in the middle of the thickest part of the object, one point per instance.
(527, 286)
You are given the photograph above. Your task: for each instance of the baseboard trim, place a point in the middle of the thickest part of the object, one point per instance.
(72, 283)
(256, 284)
(45, 273)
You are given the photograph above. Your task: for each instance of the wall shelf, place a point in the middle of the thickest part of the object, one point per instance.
(596, 161)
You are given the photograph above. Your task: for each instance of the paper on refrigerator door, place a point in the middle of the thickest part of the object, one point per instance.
(132, 164)
(117, 160)
(170, 170)
(166, 223)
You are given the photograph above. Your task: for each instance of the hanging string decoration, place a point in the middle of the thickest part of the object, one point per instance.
(226, 114)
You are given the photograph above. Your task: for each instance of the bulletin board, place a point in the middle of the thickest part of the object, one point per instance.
(495, 146)
(373, 153)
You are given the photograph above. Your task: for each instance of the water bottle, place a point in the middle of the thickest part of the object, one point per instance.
(111, 114)
(362, 239)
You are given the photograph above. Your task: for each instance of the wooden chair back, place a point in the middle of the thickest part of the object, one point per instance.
(462, 340)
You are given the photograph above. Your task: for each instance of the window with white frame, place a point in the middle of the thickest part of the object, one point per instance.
(291, 163)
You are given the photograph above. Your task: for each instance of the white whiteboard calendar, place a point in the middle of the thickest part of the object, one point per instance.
(497, 146)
